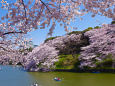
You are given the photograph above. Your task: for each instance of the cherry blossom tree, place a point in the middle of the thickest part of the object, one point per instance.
(27, 15)
(46, 54)
(24, 16)
(10, 41)
(102, 43)
(34, 14)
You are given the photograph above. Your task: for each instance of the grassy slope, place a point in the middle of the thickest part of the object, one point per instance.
(67, 62)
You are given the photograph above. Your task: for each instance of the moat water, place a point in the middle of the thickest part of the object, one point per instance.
(16, 76)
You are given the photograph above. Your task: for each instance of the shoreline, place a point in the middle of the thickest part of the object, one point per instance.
(70, 70)
(85, 70)
(80, 70)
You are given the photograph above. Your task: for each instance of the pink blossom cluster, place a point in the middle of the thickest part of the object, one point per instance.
(11, 57)
(47, 53)
(34, 14)
(27, 15)
(102, 43)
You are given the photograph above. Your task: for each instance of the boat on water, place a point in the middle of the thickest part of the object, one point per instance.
(35, 84)
(96, 72)
(57, 79)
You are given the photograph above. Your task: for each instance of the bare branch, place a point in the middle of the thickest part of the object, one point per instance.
(46, 6)
(73, 1)
(3, 48)
(24, 7)
(11, 33)
(59, 6)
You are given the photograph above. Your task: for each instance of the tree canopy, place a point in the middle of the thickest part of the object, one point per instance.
(27, 15)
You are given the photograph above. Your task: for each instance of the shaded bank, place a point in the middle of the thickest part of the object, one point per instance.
(85, 70)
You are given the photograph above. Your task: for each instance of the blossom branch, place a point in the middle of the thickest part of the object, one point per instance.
(46, 6)
(73, 1)
(3, 48)
(11, 33)
(24, 7)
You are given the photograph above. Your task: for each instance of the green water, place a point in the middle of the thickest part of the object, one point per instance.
(75, 79)
(14, 76)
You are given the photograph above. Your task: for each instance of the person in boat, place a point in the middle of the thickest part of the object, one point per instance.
(57, 79)
(35, 84)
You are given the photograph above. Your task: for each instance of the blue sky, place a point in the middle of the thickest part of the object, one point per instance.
(40, 35)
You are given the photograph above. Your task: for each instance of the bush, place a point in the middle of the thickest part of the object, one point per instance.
(109, 56)
(107, 62)
(80, 32)
(97, 27)
(51, 38)
(75, 32)
(30, 49)
(113, 22)
(88, 29)
(67, 62)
